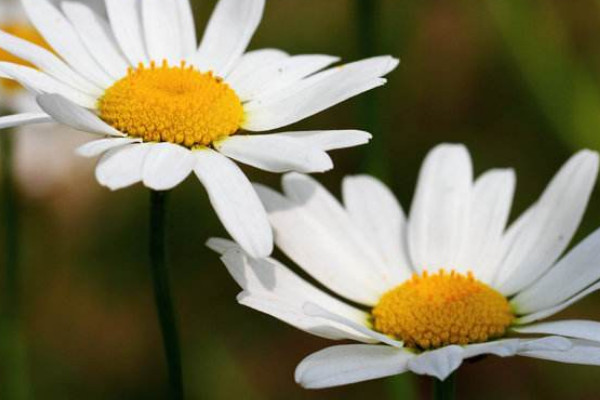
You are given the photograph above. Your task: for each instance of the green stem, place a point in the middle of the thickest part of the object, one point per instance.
(162, 292)
(369, 113)
(445, 390)
(14, 366)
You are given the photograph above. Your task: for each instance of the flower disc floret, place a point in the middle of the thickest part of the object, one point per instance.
(434, 310)
(172, 104)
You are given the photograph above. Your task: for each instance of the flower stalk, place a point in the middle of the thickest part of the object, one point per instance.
(13, 365)
(162, 292)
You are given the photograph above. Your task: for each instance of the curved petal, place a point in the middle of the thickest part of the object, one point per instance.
(578, 329)
(536, 316)
(331, 140)
(96, 35)
(63, 38)
(345, 364)
(439, 363)
(275, 153)
(167, 165)
(334, 260)
(439, 215)
(576, 271)
(125, 20)
(227, 35)
(512, 347)
(553, 223)
(581, 352)
(375, 210)
(47, 62)
(97, 147)
(316, 93)
(313, 310)
(12, 121)
(270, 287)
(235, 202)
(39, 82)
(68, 113)
(122, 167)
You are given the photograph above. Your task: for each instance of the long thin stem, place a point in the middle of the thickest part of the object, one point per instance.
(162, 292)
(445, 390)
(14, 366)
(369, 113)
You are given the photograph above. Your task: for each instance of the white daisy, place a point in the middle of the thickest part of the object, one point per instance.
(169, 107)
(424, 293)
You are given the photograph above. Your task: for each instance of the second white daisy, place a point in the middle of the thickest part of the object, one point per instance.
(445, 284)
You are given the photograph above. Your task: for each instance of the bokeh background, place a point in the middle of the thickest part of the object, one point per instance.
(517, 81)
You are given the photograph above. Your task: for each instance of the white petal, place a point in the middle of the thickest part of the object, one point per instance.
(583, 353)
(97, 37)
(63, 38)
(39, 82)
(316, 93)
(345, 364)
(68, 113)
(221, 245)
(331, 140)
(122, 167)
(235, 202)
(275, 153)
(327, 254)
(578, 329)
(187, 28)
(12, 121)
(281, 74)
(125, 20)
(248, 69)
(556, 217)
(512, 347)
(439, 363)
(313, 310)
(439, 214)
(272, 288)
(490, 208)
(227, 35)
(162, 31)
(576, 271)
(375, 210)
(47, 62)
(536, 316)
(97, 147)
(167, 165)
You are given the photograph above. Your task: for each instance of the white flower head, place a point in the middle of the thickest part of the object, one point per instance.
(446, 283)
(168, 106)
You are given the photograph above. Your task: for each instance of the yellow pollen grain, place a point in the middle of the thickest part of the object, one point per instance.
(434, 310)
(25, 32)
(172, 104)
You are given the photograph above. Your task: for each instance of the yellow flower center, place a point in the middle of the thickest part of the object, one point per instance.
(172, 104)
(28, 33)
(431, 311)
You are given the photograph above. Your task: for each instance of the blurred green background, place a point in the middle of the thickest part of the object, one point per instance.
(517, 81)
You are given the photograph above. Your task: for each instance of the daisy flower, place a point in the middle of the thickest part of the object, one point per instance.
(423, 293)
(168, 106)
